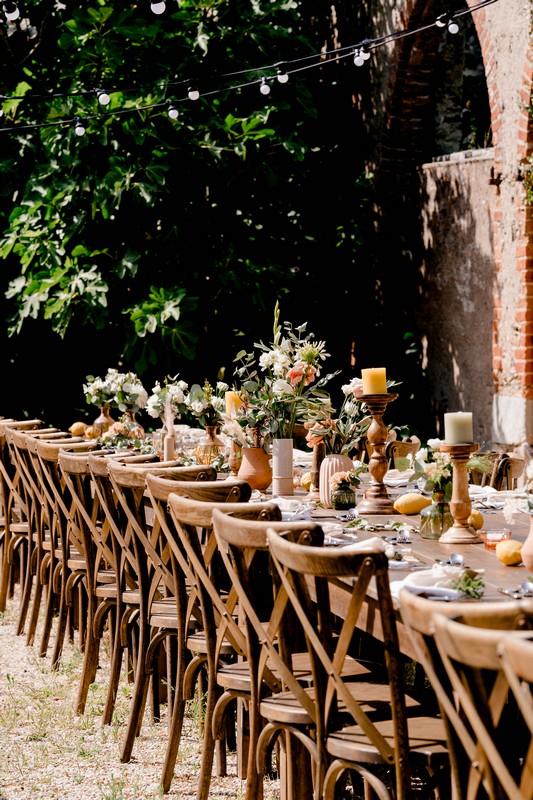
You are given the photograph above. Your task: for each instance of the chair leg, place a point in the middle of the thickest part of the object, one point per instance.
(140, 692)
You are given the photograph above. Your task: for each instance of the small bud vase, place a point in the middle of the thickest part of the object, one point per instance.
(210, 446)
(134, 427)
(332, 463)
(436, 518)
(102, 422)
(342, 499)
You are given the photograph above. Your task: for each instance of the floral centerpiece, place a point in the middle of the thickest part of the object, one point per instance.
(342, 486)
(343, 433)
(169, 397)
(129, 393)
(122, 435)
(434, 469)
(99, 391)
(206, 403)
(280, 383)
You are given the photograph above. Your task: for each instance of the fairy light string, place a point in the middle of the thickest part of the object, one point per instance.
(279, 71)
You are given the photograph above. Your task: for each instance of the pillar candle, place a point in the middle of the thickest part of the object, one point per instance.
(169, 448)
(458, 427)
(374, 380)
(233, 403)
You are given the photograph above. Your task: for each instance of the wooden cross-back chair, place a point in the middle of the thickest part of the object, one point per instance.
(62, 565)
(89, 525)
(516, 656)
(486, 725)
(221, 639)
(123, 507)
(470, 687)
(393, 743)
(243, 546)
(33, 542)
(14, 524)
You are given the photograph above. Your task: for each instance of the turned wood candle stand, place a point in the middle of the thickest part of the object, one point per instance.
(376, 499)
(460, 505)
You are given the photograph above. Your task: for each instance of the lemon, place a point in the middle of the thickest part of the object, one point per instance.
(475, 520)
(306, 481)
(509, 552)
(90, 433)
(78, 428)
(411, 503)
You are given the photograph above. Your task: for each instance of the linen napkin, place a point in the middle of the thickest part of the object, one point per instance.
(434, 582)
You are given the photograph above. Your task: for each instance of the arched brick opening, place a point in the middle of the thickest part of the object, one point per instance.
(450, 225)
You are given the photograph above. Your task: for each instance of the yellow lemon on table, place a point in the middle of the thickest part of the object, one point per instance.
(78, 428)
(509, 552)
(306, 481)
(411, 503)
(475, 520)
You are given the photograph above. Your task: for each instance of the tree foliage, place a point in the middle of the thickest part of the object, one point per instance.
(168, 236)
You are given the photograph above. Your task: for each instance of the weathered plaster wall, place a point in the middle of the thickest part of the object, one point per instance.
(461, 232)
(455, 307)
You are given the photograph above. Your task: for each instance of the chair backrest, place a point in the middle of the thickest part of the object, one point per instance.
(195, 543)
(484, 722)
(401, 449)
(507, 472)
(230, 490)
(516, 656)
(243, 545)
(306, 573)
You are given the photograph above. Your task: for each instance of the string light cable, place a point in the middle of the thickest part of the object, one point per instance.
(279, 72)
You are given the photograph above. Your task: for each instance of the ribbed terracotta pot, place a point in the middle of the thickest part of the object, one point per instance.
(332, 463)
(527, 548)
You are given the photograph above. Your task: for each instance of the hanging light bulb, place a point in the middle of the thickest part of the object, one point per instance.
(359, 58)
(103, 97)
(79, 128)
(172, 111)
(264, 88)
(193, 93)
(158, 7)
(453, 27)
(11, 11)
(282, 76)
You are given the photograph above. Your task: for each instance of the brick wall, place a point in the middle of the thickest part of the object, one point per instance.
(462, 221)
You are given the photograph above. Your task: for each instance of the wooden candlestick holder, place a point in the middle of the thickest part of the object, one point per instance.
(376, 499)
(460, 504)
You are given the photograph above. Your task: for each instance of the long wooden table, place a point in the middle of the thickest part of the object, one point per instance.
(427, 551)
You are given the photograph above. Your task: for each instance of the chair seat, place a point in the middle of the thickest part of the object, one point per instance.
(197, 643)
(427, 740)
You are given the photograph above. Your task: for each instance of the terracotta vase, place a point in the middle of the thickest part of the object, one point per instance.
(255, 468)
(102, 422)
(527, 548)
(332, 463)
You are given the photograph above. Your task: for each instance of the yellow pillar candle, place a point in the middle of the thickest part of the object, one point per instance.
(458, 428)
(374, 380)
(233, 403)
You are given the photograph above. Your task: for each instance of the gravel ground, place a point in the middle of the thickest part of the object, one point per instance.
(49, 753)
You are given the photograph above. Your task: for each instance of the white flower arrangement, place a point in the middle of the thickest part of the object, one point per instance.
(169, 397)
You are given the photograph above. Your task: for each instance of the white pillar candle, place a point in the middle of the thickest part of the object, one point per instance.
(233, 403)
(458, 427)
(374, 380)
